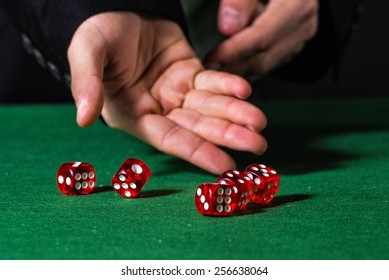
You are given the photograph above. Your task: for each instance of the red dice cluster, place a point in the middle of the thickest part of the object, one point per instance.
(233, 190)
(77, 178)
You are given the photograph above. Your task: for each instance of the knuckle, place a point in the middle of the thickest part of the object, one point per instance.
(262, 66)
(263, 44)
(311, 8)
(299, 48)
(312, 31)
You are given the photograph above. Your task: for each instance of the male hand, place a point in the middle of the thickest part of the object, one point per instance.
(262, 37)
(140, 73)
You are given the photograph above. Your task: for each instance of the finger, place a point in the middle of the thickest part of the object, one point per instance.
(234, 15)
(222, 83)
(278, 20)
(219, 131)
(235, 48)
(225, 107)
(173, 84)
(282, 52)
(170, 138)
(86, 60)
(262, 63)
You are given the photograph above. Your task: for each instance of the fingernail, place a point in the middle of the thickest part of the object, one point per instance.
(231, 19)
(81, 109)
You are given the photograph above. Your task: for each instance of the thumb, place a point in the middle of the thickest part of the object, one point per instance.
(234, 15)
(87, 60)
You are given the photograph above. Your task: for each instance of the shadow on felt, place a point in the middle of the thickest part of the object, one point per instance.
(300, 149)
(156, 193)
(142, 194)
(253, 208)
(297, 134)
(102, 189)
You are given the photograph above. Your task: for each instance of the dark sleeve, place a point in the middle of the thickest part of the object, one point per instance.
(47, 26)
(326, 49)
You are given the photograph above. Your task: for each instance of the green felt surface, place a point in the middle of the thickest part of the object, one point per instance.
(333, 202)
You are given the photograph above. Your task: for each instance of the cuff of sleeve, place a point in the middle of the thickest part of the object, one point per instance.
(50, 24)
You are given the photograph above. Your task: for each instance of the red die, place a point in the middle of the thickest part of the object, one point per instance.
(266, 182)
(74, 178)
(131, 177)
(242, 182)
(216, 199)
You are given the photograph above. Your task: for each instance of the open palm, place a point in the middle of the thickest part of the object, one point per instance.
(141, 74)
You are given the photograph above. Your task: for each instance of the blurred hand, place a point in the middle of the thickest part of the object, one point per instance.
(262, 37)
(140, 73)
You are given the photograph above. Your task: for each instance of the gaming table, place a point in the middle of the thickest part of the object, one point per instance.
(333, 158)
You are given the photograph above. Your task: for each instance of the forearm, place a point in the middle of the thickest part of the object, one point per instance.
(48, 25)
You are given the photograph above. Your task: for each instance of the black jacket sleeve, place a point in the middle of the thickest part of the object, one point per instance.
(47, 26)
(326, 48)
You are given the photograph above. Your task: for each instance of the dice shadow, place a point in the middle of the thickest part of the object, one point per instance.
(156, 193)
(142, 194)
(101, 189)
(278, 201)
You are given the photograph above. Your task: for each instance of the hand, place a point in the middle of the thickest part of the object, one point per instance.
(262, 37)
(142, 75)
